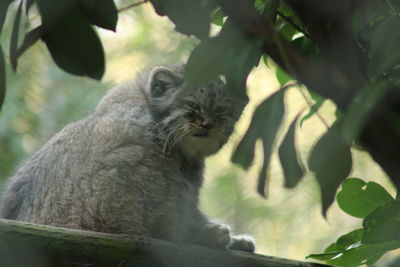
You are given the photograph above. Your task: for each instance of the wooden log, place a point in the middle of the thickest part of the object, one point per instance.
(27, 245)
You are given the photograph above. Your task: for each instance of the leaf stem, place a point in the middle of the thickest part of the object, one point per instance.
(294, 25)
(30, 38)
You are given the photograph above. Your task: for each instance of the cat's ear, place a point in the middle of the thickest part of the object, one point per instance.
(161, 81)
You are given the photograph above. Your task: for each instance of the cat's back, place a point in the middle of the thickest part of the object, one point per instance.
(41, 174)
(74, 159)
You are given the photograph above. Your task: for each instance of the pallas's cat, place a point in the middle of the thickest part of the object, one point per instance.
(134, 166)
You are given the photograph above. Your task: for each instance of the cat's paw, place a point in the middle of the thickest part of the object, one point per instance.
(242, 242)
(214, 235)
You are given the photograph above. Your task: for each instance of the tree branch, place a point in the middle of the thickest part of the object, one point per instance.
(25, 244)
(329, 24)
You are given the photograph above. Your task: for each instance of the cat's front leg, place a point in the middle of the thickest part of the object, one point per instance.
(213, 234)
(242, 242)
(196, 228)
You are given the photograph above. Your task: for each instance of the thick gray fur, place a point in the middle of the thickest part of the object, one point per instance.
(134, 166)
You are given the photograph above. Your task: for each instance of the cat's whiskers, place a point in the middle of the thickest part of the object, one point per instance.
(172, 138)
(166, 141)
(183, 132)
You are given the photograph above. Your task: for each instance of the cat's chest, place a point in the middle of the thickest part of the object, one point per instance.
(183, 169)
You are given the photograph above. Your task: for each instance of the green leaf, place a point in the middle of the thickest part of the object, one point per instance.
(282, 76)
(285, 29)
(71, 41)
(383, 224)
(2, 78)
(344, 243)
(293, 169)
(3, 11)
(204, 63)
(386, 38)
(262, 186)
(330, 160)
(265, 123)
(331, 248)
(230, 53)
(269, 10)
(338, 114)
(356, 255)
(305, 45)
(240, 59)
(265, 59)
(324, 256)
(349, 240)
(102, 13)
(51, 11)
(349, 251)
(259, 5)
(189, 16)
(359, 198)
(217, 17)
(14, 38)
(360, 108)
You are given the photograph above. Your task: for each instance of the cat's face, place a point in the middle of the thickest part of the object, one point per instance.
(199, 120)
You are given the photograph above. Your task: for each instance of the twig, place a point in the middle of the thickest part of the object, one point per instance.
(316, 112)
(287, 86)
(122, 9)
(294, 25)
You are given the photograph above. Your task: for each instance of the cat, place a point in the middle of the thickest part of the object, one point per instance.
(135, 165)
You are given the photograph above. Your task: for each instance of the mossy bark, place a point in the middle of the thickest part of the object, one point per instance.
(24, 244)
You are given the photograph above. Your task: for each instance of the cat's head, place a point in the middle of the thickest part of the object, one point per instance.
(199, 120)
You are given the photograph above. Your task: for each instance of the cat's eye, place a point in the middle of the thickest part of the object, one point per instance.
(221, 109)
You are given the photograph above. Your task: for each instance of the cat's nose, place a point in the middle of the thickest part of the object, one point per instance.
(207, 124)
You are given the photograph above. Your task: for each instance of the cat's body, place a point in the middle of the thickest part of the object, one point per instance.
(134, 166)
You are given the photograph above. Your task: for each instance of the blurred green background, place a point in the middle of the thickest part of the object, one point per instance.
(41, 100)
